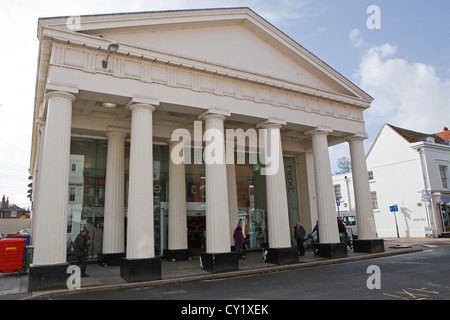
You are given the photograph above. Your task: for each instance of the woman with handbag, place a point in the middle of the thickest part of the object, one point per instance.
(239, 240)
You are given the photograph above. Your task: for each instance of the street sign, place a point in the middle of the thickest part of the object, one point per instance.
(393, 208)
(338, 202)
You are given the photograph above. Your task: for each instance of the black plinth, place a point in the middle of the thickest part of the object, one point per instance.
(368, 246)
(281, 256)
(178, 255)
(219, 262)
(113, 259)
(331, 250)
(48, 277)
(139, 270)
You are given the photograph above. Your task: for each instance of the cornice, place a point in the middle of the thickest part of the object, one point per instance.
(135, 52)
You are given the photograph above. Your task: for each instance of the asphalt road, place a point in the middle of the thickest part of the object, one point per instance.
(418, 276)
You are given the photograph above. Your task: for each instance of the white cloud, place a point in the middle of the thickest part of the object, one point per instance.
(407, 94)
(356, 38)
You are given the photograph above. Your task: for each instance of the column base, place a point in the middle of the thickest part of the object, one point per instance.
(48, 277)
(368, 246)
(178, 254)
(137, 270)
(113, 259)
(331, 250)
(219, 262)
(444, 235)
(281, 256)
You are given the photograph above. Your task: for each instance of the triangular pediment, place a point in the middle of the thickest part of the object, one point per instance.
(236, 39)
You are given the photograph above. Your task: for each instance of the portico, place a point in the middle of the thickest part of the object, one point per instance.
(170, 71)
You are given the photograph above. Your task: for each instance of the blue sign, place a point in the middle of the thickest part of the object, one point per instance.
(338, 202)
(393, 208)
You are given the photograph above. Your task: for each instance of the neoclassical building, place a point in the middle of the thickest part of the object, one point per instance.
(112, 89)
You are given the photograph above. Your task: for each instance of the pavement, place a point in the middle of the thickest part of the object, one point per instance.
(14, 286)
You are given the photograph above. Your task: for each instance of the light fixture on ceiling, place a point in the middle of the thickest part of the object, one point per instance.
(109, 105)
(112, 48)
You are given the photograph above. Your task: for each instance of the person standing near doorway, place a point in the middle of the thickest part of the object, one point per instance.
(239, 240)
(80, 247)
(300, 234)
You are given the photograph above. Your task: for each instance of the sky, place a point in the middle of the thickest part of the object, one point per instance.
(398, 51)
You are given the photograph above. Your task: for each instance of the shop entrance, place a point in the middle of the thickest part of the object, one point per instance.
(196, 233)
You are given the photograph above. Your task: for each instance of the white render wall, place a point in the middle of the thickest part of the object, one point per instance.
(347, 202)
(397, 180)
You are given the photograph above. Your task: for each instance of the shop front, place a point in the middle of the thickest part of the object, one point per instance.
(444, 209)
(86, 205)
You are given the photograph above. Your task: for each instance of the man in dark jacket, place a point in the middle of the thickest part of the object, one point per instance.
(80, 247)
(300, 234)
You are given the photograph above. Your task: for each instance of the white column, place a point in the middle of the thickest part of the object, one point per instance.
(37, 170)
(177, 222)
(140, 233)
(277, 205)
(217, 214)
(363, 197)
(232, 199)
(113, 234)
(324, 187)
(50, 232)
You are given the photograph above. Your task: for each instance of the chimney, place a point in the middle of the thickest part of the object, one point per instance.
(445, 129)
(3, 202)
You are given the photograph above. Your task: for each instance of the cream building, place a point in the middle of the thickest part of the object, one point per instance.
(114, 112)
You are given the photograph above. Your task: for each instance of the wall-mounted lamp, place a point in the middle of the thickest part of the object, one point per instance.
(112, 48)
(109, 105)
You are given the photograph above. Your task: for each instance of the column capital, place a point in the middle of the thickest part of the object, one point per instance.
(217, 114)
(121, 132)
(136, 106)
(357, 136)
(271, 123)
(60, 94)
(318, 130)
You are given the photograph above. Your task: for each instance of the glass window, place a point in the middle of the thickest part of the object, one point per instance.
(292, 194)
(337, 191)
(374, 200)
(196, 206)
(86, 194)
(350, 220)
(251, 201)
(443, 171)
(72, 194)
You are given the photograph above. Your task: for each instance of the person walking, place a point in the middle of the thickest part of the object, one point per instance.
(239, 240)
(316, 231)
(300, 234)
(80, 247)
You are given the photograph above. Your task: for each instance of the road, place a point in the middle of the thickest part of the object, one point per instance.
(417, 276)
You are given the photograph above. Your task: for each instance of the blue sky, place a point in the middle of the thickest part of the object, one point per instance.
(404, 65)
